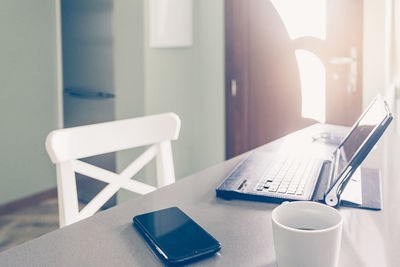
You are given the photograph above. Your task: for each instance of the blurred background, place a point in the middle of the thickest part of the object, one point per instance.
(238, 73)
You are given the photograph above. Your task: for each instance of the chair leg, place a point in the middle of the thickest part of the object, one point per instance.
(67, 194)
(165, 165)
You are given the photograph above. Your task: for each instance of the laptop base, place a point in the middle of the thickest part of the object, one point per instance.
(371, 191)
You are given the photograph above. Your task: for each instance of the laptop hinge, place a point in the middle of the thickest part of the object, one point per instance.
(334, 169)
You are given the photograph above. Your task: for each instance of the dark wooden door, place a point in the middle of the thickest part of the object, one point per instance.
(264, 89)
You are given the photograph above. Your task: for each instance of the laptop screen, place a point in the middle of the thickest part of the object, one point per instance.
(370, 120)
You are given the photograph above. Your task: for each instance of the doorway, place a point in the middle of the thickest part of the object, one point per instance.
(88, 77)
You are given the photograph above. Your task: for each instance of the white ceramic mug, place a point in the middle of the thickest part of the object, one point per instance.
(306, 234)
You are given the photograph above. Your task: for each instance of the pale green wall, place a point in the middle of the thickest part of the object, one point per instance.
(28, 101)
(375, 49)
(129, 73)
(188, 81)
(129, 58)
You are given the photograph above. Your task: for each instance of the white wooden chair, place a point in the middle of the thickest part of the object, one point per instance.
(66, 146)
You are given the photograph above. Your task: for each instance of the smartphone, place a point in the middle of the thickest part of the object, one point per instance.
(174, 237)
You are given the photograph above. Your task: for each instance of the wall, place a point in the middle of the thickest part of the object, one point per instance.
(375, 41)
(129, 58)
(128, 73)
(188, 81)
(28, 101)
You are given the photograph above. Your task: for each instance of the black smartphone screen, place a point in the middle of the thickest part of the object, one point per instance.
(174, 236)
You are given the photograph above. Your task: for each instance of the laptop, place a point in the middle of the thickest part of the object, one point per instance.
(274, 177)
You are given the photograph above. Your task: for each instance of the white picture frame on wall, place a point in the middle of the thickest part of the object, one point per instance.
(171, 23)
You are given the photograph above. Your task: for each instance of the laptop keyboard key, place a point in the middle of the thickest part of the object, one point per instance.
(282, 189)
(299, 192)
(273, 188)
(291, 191)
(267, 185)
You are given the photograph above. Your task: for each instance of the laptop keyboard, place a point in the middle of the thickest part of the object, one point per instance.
(289, 175)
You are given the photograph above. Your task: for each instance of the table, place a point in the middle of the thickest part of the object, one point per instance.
(370, 238)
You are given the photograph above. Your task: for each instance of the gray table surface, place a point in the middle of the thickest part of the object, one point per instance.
(370, 238)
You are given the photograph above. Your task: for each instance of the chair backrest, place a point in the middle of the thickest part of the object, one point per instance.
(66, 146)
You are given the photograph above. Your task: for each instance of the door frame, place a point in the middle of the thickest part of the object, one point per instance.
(235, 105)
(59, 65)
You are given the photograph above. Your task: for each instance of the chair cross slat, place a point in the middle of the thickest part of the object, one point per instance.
(111, 177)
(137, 187)
(140, 162)
(98, 201)
(94, 171)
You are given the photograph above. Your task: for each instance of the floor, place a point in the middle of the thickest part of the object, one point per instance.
(29, 223)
